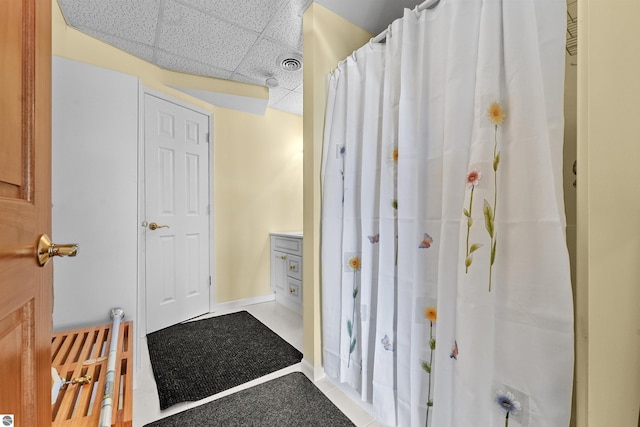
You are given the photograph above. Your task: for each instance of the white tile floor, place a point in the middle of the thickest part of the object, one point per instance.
(285, 323)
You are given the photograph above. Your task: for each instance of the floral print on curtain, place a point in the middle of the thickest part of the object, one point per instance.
(445, 274)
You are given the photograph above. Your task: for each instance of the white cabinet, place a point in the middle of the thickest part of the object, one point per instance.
(286, 269)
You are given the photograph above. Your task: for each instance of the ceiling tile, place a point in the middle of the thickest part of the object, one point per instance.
(299, 6)
(286, 26)
(193, 34)
(261, 62)
(276, 94)
(251, 14)
(237, 40)
(176, 63)
(134, 21)
(291, 103)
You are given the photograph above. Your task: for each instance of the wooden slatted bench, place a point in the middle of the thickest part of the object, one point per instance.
(83, 352)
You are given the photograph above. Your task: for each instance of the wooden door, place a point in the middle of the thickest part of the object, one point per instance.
(25, 212)
(176, 198)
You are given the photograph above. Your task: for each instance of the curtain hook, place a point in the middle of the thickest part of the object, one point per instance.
(353, 56)
(416, 11)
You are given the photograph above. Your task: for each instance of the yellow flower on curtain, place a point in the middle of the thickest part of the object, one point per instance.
(496, 114)
(431, 313)
(355, 263)
(394, 155)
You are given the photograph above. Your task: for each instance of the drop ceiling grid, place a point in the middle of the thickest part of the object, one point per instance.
(251, 14)
(170, 61)
(237, 40)
(276, 94)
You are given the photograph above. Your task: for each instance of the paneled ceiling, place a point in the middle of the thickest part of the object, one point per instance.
(240, 40)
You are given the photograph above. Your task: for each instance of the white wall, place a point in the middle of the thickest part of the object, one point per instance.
(94, 192)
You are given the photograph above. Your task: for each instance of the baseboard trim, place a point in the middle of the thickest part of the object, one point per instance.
(314, 373)
(242, 302)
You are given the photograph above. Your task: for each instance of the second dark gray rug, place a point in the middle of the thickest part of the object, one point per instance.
(288, 401)
(194, 360)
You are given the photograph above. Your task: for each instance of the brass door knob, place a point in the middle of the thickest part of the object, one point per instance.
(154, 226)
(46, 250)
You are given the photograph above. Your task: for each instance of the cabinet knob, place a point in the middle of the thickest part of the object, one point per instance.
(292, 291)
(283, 257)
(292, 267)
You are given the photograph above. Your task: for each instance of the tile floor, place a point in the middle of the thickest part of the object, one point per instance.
(285, 323)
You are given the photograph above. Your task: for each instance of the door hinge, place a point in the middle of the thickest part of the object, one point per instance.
(209, 281)
(208, 209)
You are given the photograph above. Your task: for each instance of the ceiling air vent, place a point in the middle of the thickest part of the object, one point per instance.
(291, 62)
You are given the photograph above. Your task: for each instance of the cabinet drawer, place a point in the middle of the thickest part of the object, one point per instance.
(294, 290)
(294, 267)
(289, 245)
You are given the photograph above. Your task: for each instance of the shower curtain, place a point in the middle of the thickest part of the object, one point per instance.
(446, 295)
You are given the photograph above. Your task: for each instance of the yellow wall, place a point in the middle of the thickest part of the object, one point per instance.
(328, 39)
(608, 214)
(257, 163)
(258, 189)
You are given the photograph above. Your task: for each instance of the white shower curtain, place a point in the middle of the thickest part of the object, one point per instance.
(446, 296)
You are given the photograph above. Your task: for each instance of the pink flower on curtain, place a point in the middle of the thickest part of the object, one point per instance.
(473, 178)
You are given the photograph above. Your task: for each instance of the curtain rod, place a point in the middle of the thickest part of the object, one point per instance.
(419, 8)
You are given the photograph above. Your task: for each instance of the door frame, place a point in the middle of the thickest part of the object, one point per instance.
(141, 327)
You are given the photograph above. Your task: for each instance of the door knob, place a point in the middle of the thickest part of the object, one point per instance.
(154, 226)
(46, 250)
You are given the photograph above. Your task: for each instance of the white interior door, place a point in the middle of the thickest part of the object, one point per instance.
(177, 200)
